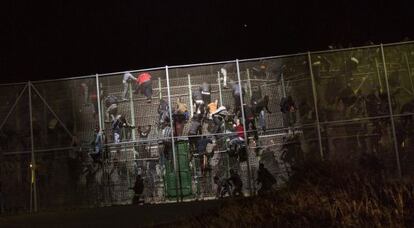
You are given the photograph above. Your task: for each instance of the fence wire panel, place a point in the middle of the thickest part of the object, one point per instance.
(400, 67)
(16, 184)
(343, 81)
(135, 135)
(15, 172)
(14, 119)
(120, 139)
(279, 114)
(198, 93)
(65, 113)
(353, 106)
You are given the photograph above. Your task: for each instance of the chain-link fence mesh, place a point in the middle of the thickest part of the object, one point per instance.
(187, 133)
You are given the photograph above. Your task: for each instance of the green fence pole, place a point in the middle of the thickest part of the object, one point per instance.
(397, 155)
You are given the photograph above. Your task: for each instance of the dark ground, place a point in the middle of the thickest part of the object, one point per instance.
(117, 216)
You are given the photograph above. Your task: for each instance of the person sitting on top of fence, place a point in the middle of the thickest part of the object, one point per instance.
(205, 90)
(125, 81)
(144, 84)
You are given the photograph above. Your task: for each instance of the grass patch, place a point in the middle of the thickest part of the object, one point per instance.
(322, 194)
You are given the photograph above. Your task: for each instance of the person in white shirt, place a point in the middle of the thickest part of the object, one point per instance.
(126, 79)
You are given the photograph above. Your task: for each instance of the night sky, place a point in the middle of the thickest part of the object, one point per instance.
(67, 39)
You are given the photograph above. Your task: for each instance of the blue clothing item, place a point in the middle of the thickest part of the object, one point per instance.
(187, 115)
(98, 142)
(202, 145)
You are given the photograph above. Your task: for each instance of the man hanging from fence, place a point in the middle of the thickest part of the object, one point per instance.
(205, 90)
(198, 102)
(118, 123)
(259, 105)
(144, 84)
(219, 116)
(224, 70)
(223, 187)
(237, 93)
(202, 153)
(97, 145)
(180, 117)
(127, 78)
(236, 145)
(288, 108)
(111, 104)
(116, 130)
(164, 113)
(194, 131)
(236, 183)
(212, 108)
(138, 190)
(250, 121)
(265, 179)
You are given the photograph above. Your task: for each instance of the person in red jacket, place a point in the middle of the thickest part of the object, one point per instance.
(239, 130)
(144, 83)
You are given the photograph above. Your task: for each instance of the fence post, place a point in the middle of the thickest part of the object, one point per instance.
(219, 86)
(98, 97)
(244, 128)
(190, 95)
(282, 80)
(132, 110)
(391, 114)
(315, 101)
(176, 169)
(409, 72)
(378, 75)
(33, 160)
(249, 83)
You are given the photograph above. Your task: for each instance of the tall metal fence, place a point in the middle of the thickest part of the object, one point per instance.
(85, 142)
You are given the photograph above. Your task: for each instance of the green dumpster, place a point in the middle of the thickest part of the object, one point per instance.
(185, 180)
